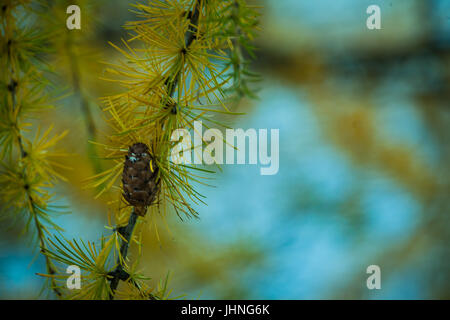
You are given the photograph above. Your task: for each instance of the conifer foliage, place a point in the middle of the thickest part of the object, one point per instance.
(185, 60)
(27, 153)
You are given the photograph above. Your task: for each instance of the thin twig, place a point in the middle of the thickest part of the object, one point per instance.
(189, 37)
(117, 274)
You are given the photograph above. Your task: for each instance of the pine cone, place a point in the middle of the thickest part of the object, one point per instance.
(139, 178)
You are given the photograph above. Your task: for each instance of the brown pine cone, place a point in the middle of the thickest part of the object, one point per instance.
(139, 178)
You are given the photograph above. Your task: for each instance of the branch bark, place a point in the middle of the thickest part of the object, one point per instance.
(189, 37)
(119, 273)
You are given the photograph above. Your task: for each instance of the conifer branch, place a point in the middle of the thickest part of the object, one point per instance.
(119, 273)
(39, 228)
(23, 154)
(175, 73)
(9, 24)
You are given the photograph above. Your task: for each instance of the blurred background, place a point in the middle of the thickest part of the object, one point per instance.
(364, 159)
